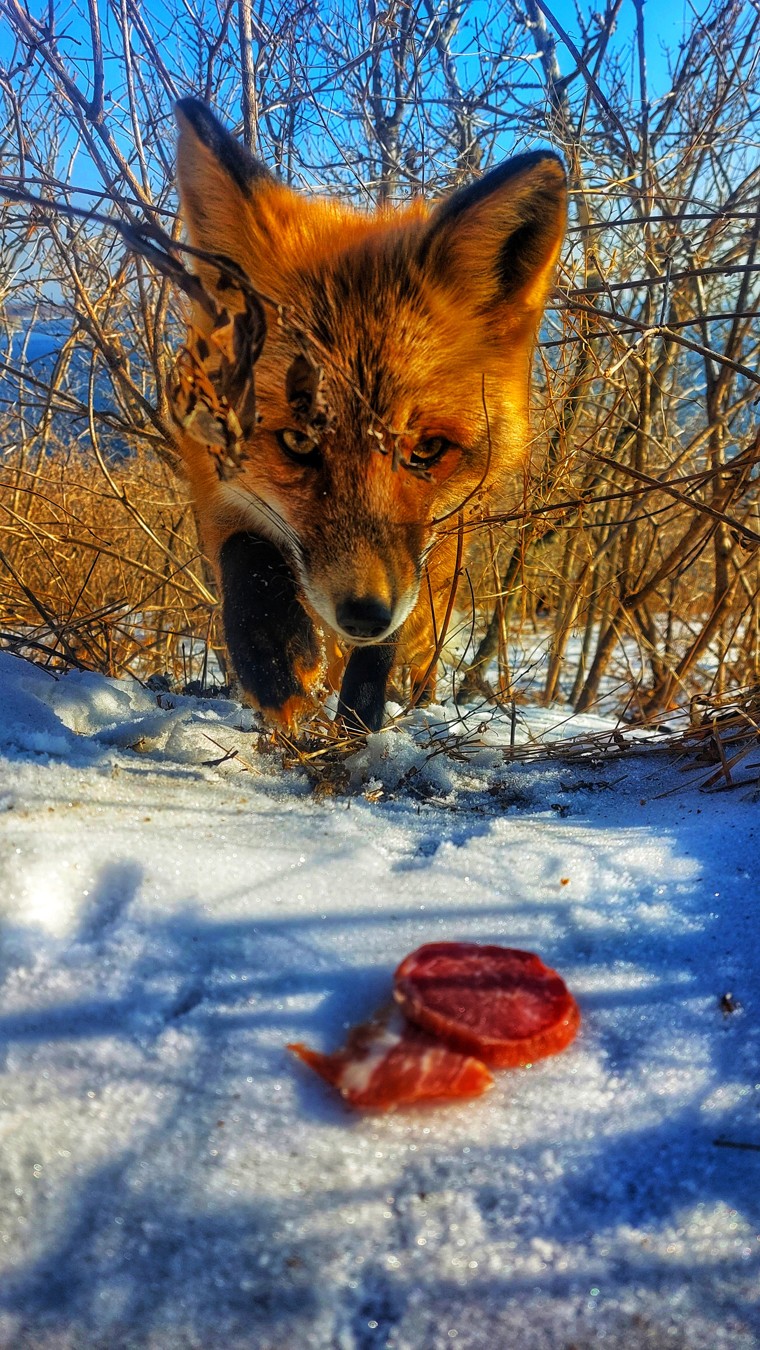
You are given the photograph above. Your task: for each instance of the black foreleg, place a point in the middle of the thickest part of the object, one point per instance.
(362, 694)
(273, 644)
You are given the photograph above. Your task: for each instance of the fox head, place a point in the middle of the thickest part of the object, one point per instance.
(392, 389)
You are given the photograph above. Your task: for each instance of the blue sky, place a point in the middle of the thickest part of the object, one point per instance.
(665, 22)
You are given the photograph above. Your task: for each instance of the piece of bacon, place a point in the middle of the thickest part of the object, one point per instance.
(387, 1062)
(500, 1004)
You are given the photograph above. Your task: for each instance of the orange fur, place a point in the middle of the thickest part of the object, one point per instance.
(416, 328)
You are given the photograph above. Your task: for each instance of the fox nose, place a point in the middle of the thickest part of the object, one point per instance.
(363, 616)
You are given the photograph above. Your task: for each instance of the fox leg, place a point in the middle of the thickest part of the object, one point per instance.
(362, 694)
(423, 684)
(275, 648)
(418, 649)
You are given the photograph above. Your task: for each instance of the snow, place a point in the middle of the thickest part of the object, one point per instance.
(170, 1176)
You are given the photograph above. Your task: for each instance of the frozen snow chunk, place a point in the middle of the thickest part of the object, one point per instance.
(88, 703)
(208, 734)
(140, 733)
(393, 758)
(26, 722)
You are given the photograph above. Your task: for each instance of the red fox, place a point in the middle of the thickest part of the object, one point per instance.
(391, 402)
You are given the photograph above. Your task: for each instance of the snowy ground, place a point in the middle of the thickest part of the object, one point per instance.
(171, 1177)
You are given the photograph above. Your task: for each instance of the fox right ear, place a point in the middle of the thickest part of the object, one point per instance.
(217, 176)
(497, 241)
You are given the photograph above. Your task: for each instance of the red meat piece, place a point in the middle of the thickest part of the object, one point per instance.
(387, 1062)
(500, 1004)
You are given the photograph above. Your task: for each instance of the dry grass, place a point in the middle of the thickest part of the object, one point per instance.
(102, 567)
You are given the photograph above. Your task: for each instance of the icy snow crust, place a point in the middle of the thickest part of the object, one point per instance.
(171, 1177)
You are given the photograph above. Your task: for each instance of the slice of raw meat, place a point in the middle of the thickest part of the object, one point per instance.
(387, 1062)
(498, 1003)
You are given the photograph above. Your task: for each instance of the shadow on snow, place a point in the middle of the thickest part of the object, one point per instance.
(152, 1254)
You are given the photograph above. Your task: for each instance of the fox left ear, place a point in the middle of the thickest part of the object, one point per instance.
(498, 240)
(218, 180)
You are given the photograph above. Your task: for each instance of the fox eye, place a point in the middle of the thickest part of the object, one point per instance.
(299, 447)
(428, 452)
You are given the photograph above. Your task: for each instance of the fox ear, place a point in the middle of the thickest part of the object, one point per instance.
(217, 178)
(498, 240)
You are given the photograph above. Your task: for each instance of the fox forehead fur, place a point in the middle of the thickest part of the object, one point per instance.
(392, 389)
